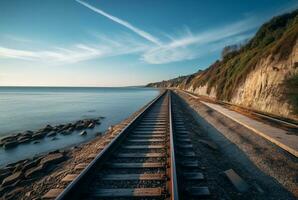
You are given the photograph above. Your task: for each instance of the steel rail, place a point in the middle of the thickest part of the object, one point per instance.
(71, 190)
(174, 182)
(259, 113)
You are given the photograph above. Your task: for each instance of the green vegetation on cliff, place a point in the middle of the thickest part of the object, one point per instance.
(276, 38)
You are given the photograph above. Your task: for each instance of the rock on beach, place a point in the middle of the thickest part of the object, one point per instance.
(83, 133)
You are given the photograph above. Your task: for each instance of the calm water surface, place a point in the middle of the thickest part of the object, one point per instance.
(31, 108)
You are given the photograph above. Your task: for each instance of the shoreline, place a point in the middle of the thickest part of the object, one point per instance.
(59, 163)
(45, 136)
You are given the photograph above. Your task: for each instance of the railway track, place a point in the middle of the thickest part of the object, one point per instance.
(152, 158)
(288, 123)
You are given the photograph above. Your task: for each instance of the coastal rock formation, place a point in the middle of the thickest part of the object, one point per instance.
(261, 75)
(16, 174)
(11, 179)
(38, 180)
(83, 133)
(49, 131)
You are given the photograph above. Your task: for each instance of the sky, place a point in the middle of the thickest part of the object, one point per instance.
(121, 42)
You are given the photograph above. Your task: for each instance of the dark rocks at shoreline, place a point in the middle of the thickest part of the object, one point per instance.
(16, 174)
(10, 144)
(12, 141)
(12, 178)
(83, 133)
(52, 134)
(98, 133)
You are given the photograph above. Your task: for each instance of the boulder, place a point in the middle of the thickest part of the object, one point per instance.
(13, 194)
(86, 123)
(34, 171)
(65, 132)
(30, 164)
(91, 125)
(26, 140)
(48, 128)
(10, 144)
(12, 178)
(52, 159)
(52, 134)
(18, 167)
(80, 126)
(8, 139)
(67, 126)
(27, 132)
(83, 133)
(4, 175)
(60, 125)
(11, 166)
(38, 135)
(5, 189)
(70, 129)
(6, 169)
(24, 136)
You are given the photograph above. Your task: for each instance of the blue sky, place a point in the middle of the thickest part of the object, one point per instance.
(121, 42)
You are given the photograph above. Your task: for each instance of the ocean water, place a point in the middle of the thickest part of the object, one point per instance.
(31, 108)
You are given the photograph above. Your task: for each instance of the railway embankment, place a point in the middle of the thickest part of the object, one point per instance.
(263, 161)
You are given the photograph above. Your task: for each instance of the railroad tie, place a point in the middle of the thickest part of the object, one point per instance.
(145, 140)
(133, 177)
(202, 191)
(51, 194)
(140, 155)
(69, 177)
(143, 146)
(128, 192)
(193, 176)
(81, 166)
(136, 165)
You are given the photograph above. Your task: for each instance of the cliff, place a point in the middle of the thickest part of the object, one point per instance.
(262, 75)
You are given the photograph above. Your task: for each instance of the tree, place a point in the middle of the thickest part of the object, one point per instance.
(229, 49)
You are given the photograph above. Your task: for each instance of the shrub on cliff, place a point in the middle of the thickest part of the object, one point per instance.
(276, 38)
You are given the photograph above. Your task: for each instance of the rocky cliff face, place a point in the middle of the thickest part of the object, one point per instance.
(263, 87)
(256, 75)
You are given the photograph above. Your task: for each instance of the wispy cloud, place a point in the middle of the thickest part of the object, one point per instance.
(184, 45)
(59, 55)
(101, 47)
(17, 38)
(191, 46)
(124, 23)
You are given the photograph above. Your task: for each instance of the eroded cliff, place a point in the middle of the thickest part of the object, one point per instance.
(262, 75)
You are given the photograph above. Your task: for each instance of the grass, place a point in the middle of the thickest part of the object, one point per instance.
(275, 39)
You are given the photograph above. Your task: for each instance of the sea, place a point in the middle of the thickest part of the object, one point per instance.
(32, 108)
